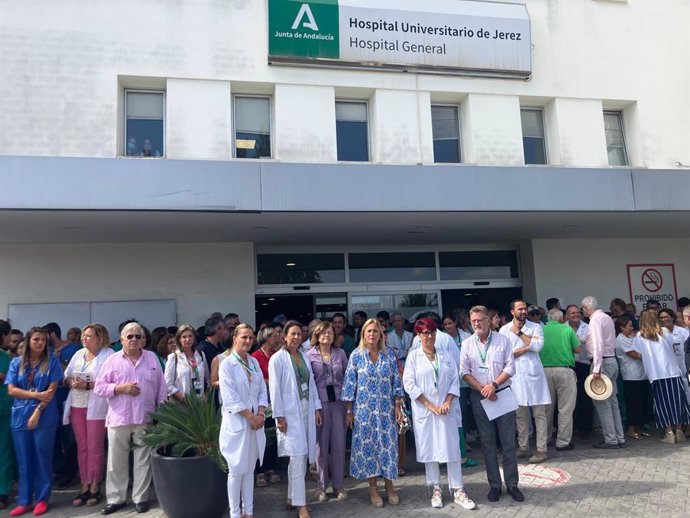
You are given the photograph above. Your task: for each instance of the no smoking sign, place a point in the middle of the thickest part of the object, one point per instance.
(652, 282)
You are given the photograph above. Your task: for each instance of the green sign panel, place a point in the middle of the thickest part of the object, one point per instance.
(303, 29)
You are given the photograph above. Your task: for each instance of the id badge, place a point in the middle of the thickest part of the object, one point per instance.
(483, 369)
(198, 385)
(305, 387)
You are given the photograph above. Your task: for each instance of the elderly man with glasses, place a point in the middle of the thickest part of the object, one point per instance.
(132, 381)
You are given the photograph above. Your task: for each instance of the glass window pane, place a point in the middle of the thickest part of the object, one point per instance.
(615, 141)
(446, 152)
(351, 112)
(461, 266)
(409, 304)
(390, 267)
(534, 150)
(144, 138)
(252, 115)
(444, 122)
(617, 156)
(300, 268)
(532, 123)
(353, 141)
(144, 105)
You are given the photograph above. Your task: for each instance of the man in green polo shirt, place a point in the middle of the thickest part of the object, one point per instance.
(557, 356)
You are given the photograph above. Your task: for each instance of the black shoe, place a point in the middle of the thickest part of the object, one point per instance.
(567, 447)
(494, 494)
(516, 494)
(605, 446)
(112, 508)
(622, 444)
(142, 507)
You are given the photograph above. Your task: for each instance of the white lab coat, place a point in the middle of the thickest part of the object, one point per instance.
(399, 346)
(529, 382)
(178, 373)
(285, 402)
(97, 407)
(444, 343)
(436, 437)
(235, 433)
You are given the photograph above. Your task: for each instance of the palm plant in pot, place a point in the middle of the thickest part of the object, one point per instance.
(189, 471)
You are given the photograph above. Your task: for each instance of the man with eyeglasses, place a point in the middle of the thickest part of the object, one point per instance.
(132, 381)
(486, 364)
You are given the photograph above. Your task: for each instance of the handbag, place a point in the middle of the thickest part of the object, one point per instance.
(405, 423)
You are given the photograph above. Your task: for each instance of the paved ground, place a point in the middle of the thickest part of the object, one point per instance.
(646, 479)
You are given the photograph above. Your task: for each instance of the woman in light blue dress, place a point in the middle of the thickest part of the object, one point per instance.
(373, 384)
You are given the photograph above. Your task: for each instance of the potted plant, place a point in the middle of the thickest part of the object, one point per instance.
(189, 471)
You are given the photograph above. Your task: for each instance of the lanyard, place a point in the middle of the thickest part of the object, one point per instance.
(486, 349)
(247, 367)
(435, 366)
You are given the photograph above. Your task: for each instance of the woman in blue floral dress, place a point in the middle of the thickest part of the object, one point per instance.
(372, 382)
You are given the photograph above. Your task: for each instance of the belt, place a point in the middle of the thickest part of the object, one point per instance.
(604, 357)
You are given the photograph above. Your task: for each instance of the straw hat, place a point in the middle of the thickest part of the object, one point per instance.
(598, 389)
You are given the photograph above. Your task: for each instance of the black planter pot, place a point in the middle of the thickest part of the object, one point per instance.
(189, 487)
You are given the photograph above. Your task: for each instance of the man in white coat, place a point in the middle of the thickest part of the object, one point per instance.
(242, 438)
(529, 382)
(399, 341)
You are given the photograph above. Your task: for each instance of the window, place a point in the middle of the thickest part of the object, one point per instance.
(444, 123)
(471, 265)
(533, 136)
(392, 267)
(351, 131)
(252, 127)
(300, 268)
(144, 123)
(615, 142)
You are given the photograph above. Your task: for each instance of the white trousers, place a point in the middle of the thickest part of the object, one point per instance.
(120, 439)
(433, 474)
(297, 469)
(241, 491)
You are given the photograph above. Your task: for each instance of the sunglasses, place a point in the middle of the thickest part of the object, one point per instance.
(129, 337)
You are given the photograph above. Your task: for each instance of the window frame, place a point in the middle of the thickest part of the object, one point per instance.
(368, 127)
(124, 119)
(543, 127)
(458, 127)
(270, 123)
(619, 115)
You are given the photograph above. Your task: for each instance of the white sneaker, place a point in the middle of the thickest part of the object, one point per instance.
(461, 498)
(436, 499)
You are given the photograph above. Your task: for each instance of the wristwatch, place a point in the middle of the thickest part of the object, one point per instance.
(520, 333)
(495, 385)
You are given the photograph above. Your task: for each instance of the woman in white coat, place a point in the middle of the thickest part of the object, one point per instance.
(87, 412)
(297, 411)
(186, 369)
(431, 380)
(242, 439)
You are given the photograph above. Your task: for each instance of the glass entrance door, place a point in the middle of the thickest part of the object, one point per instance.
(303, 308)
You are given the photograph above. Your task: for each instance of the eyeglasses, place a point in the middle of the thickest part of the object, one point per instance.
(427, 334)
(130, 337)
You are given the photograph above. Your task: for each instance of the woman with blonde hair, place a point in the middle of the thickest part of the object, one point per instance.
(242, 439)
(655, 345)
(87, 411)
(373, 397)
(329, 364)
(186, 369)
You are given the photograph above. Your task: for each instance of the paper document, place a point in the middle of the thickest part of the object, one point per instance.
(505, 402)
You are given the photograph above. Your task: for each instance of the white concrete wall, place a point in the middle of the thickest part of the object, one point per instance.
(198, 121)
(62, 62)
(305, 123)
(395, 127)
(574, 268)
(202, 278)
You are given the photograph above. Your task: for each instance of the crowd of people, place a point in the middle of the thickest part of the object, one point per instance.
(73, 408)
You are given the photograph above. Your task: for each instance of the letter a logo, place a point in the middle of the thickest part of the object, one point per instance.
(305, 10)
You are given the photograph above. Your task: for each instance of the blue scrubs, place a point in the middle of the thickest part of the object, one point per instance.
(34, 448)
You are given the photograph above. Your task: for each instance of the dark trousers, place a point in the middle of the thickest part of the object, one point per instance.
(638, 397)
(583, 408)
(502, 428)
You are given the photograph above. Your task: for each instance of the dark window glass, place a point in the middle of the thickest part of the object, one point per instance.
(615, 142)
(144, 124)
(252, 127)
(351, 131)
(461, 266)
(444, 122)
(389, 267)
(300, 268)
(533, 136)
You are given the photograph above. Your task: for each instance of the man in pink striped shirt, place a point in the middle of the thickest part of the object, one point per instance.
(133, 383)
(602, 345)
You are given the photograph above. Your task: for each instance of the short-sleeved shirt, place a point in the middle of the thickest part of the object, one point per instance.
(560, 342)
(486, 362)
(631, 369)
(33, 379)
(261, 357)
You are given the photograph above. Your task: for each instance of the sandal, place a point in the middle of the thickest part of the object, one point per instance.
(273, 476)
(81, 499)
(94, 498)
(633, 435)
(261, 480)
(401, 471)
